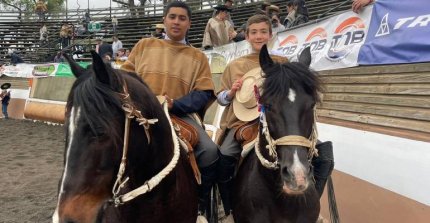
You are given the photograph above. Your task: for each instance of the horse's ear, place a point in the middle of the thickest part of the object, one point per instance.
(265, 59)
(99, 68)
(305, 57)
(76, 69)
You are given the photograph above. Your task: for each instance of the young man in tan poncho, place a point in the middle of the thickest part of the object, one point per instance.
(172, 68)
(258, 33)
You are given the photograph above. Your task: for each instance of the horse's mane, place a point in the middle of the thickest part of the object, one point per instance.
(95, 98)
(281, 77)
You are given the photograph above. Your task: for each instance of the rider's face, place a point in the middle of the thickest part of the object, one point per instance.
(258, 34)
(177, 23)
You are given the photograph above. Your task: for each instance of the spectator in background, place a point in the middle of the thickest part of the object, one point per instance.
(127, 53)
(41, 9)
(120, 57)
(297, 13)
(14, 58)
(263, 9)
(276, 23)
(59, 57)
(87, 20)
(116, 45)
(228, 4)
(66, 33)
(103, 49)
(43, 33)
(218, 30)
(114, 24)
(5, 98)
(357, 5)
(159, 32)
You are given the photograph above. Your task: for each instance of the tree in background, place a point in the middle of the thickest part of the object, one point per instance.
(27, 6)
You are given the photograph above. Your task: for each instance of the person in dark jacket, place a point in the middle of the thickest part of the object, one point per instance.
(297, 13)
(14, 58)
(5, 98)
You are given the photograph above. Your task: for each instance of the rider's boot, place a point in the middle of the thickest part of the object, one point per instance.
(208, 176)
(323, 165)
(226, 168)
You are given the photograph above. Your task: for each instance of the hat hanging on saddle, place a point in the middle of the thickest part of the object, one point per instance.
(245, 105)
(159, 26)
(5, 86)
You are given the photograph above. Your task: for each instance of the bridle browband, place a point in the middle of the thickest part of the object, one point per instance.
(132, 113)
(289, 140)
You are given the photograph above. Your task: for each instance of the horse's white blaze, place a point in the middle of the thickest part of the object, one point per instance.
(298, 169)
(74, 117)
(292, 95)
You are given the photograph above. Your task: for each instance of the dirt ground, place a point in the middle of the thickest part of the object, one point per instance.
(31, 157)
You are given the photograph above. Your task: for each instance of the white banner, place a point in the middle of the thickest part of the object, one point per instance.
(25, 70)
(335, 42)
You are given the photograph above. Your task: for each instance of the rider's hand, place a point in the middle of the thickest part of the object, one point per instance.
(169, 101)
(235, 87)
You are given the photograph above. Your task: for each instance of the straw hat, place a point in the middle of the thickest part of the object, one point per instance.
(5, 86)
(244, 103)
(159, 26)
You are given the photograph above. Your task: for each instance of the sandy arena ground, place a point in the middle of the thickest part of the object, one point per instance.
(30, 168)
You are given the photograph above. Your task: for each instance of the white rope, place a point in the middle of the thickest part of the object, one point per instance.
(155, 180)
(310, 143)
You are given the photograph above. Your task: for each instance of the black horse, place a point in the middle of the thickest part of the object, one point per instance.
(117, 139)
(275, 184)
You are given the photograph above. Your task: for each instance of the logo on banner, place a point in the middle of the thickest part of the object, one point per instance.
(383, 29)
(408, 22)
(316, 40)
(289, 45)
(349, 33)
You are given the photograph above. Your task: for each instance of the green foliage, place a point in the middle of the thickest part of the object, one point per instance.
(28, 5)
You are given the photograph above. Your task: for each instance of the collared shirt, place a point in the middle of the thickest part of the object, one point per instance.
(223, 98)
(184, 41)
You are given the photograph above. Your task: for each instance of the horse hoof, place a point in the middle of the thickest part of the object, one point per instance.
(201, 219)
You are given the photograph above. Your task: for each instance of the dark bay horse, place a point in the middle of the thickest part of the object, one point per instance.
(122, 161)
(275, 184)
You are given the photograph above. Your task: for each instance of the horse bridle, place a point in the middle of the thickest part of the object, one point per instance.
(132, 113)
(289, 140)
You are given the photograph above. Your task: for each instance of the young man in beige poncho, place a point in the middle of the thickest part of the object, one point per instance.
(180, 72)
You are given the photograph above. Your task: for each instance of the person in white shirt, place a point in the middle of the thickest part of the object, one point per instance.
(116, 44)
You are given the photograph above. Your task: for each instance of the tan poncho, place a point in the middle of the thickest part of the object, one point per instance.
(234, 71)
(216, 32)
(169, 67)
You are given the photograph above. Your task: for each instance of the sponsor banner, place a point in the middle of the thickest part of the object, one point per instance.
(398, 33)
(40, 70)
(20, 70)
(334, 42)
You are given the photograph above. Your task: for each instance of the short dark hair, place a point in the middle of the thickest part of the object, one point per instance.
(177, 4)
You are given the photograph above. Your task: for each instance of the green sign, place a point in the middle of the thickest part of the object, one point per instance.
(64, 70)
(94, 26)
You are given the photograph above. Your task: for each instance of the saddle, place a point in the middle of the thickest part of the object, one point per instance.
(188, 139)
(246, 134)
(185, 131)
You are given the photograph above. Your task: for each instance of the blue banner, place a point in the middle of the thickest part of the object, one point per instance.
(399, 32)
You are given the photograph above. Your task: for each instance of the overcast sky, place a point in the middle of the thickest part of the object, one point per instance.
(73, 4)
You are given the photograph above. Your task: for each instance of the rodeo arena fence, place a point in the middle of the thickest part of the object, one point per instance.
(375, 68)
